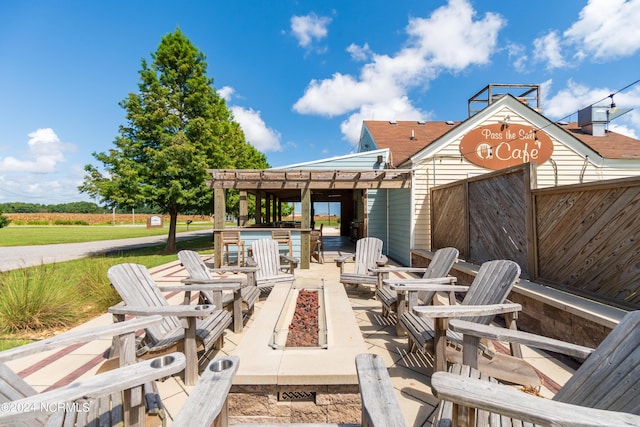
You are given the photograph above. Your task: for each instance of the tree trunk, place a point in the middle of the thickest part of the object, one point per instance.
(171, 246)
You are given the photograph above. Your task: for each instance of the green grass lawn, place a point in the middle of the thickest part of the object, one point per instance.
(23, 235)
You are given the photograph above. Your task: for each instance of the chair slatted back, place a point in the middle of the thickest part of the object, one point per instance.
(267, 257)
(440, 266)
(368, 250)
(610, 377)
(231, 237)
(491, 286)
(196, 269)
(137, 288)
(192, 262)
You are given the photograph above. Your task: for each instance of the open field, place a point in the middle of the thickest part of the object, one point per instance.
(26, 235)
(92, 219)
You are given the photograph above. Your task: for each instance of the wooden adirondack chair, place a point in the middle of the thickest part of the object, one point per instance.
(142, 297)
(316, 249)
(440, 265)
(242, 305)
(602, 392)
(266, 256)
(368, 256)
(111, 398)
(427, 325)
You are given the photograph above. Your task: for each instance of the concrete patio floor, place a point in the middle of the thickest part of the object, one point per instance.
(410, 372)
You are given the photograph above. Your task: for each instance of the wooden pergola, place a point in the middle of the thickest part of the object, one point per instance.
(293, 186)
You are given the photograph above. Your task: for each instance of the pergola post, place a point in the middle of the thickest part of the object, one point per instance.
(244, 209)
(259, 207)
(267, 208)
(305, 225)
(219, 212)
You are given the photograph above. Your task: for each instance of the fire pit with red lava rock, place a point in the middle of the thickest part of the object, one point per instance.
(303, 329)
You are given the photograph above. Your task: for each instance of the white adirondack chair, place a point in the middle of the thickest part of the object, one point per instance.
(439, 267)
(98, 400)
(242, 305)
(368, 256)
(602, 392)
(266, 256)
(427, 325)
(142, 297)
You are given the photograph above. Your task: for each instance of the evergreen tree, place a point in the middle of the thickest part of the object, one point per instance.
(177, 127)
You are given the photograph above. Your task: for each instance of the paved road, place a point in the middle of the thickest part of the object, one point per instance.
(25, 256)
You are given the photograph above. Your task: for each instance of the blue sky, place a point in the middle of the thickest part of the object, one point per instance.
(300, 76)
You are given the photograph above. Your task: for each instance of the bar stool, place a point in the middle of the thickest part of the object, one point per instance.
(283, 237)
(233, 238)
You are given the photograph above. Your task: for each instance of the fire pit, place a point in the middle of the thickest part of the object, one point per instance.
(276, 383)
(302, 321)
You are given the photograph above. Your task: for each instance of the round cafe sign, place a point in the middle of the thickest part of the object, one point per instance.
(498, 146)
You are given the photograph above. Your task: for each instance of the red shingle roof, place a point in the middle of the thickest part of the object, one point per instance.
(611, 146)
(397, 137)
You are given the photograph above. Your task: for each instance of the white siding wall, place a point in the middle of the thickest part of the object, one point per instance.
(377, 214)
(400, 225)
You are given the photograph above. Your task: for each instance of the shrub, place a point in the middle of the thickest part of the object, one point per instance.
(38, 222)
(36, 298)
(70, 222)
(4, 221)
(99, 293)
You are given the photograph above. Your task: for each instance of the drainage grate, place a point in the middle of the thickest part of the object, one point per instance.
(298, 396)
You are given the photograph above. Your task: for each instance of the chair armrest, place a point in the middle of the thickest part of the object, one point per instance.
(202, 285)
(520, 337)
(74, 337)
(222, 270)
(190, 281)
(113, 381)
(379, 403)
(465, 310)
(435, 284)
(208, 398)
(344, 258)
(511, 402)
(289, 259)
(165, 310)
(251, 263)
(383, 260)
(397, 269)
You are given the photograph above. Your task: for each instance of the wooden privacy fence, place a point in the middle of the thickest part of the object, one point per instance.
(584, 238)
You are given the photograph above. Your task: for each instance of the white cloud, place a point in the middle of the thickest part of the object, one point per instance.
(308, 28)
(517, 56)
(623, 130)
(548, 49)
(451, 39)
(256, 131)
(226, 92)
(359, 53)
(45, 152)
(569, 100)
(394, 109)
(606, 29)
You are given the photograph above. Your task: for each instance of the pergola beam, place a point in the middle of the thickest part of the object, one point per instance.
(314, 179)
